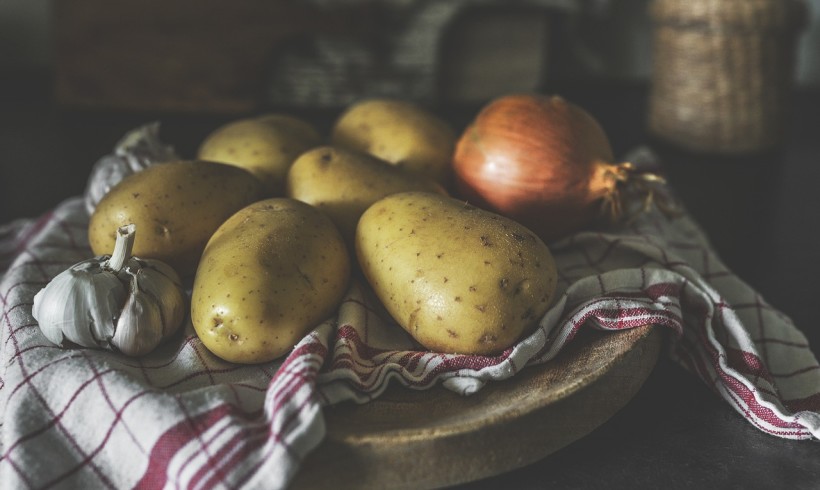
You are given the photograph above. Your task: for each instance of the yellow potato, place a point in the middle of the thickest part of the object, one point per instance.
(175, 207)
(266, 146)
(400, 132)
(459, 279)
(344, 183)
(270, 274)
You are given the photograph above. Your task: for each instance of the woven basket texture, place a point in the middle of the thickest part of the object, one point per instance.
(722, 72)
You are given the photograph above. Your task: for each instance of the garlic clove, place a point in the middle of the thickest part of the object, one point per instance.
(106, 173)
(103, 295)
(167, 294)
(143, 147)
(139, 328)
(160, 266)
(55, 317)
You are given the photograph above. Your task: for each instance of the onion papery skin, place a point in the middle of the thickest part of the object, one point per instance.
(539, 160)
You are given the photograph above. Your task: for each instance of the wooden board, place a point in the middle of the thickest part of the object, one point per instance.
(434, 438)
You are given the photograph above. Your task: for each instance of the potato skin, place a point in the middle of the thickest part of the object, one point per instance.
(265, 146)
(459, 279)
(176, 207)
(269, 275)
(399, 132)
(344, 183)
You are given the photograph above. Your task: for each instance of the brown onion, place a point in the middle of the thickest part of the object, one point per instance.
(540, 160)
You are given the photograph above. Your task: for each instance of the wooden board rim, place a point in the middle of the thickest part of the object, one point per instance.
(368, 446)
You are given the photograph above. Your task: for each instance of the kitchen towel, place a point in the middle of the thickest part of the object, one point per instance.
(182, 418)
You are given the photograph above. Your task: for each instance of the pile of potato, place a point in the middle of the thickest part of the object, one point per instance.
(270, 222)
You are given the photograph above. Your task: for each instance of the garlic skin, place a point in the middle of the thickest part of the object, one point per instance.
(116, 302)
(139, 328)
(138, 149)
(152, 281)
(80, 305)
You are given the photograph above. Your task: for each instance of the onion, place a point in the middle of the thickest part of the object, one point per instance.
(541, 161)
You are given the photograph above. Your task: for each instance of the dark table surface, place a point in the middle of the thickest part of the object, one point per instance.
(762, 213)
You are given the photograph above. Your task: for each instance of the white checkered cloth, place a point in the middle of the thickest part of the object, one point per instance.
(182, 418)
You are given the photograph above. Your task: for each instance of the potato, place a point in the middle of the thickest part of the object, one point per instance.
(344, 183)
(269, 275)
(175, 206)
(459, 279)
(266, 146)
(399, 132)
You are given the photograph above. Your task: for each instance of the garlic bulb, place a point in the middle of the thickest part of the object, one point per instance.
(119, 302)
(138, 149)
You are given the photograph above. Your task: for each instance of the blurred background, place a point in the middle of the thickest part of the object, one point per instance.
(616, 33)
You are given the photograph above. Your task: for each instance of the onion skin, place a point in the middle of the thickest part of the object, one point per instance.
(539, 160)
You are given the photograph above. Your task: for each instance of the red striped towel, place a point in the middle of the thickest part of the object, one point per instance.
(182, 418)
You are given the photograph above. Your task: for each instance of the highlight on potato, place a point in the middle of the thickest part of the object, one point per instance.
(457, 278)
(264, 145)
(400, 132)
(176, 206)
(343, 183)
(270, 274)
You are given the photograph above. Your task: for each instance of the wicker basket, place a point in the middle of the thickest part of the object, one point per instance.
(722, 72)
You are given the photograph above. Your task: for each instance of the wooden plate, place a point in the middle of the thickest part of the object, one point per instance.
(425, 439)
